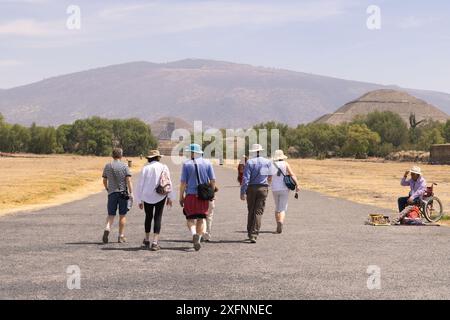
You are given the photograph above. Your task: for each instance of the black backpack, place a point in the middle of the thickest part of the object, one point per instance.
(204, 190)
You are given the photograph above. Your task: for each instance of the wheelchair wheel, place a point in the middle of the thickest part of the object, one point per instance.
(433, 209)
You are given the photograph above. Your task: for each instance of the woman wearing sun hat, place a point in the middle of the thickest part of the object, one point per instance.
(279, 189)
(150, 200)
(194, 208)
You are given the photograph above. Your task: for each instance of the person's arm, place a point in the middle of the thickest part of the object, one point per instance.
(140, 189)
(105, 183)
(130, 186)
(182, 192)
(245, 181)
(171, 195)
(211, 176)
(240, 171)
(404, 182)
(105, 177)
(294, 177)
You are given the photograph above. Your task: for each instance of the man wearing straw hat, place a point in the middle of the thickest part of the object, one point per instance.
(195, 171)
(255, 188)
(417, 185)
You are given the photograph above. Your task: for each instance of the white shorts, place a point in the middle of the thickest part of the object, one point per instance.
(281, 200)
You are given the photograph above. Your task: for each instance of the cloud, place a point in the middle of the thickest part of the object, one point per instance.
(170, 17)
(9, 63)
(27, 27)
(106, 22)
(414, 22)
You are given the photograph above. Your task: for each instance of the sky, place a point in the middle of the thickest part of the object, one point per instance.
(410, 46)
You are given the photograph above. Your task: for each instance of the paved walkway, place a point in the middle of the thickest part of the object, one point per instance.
(324, 252)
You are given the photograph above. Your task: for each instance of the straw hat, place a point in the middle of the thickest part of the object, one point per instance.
(154, 154)
(415, 170)
(279, 155)
(256, 147)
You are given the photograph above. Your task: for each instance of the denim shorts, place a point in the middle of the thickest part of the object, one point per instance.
(115, 201)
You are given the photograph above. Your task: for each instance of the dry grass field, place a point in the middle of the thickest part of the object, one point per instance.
(369, 182)
(30, 183)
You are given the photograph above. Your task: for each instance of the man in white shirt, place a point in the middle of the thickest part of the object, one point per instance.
(152, 175)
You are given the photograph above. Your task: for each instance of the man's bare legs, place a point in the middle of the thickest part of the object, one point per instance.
(279, 217)
(122, 222)
(196, 228)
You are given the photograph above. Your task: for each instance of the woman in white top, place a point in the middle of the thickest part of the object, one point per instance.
(150, 200)
(279, 189)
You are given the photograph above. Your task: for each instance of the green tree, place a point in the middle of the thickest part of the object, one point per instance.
(134, 136)
(19, 138)
(389, 125)
(283, 131)
(42, 140)
(446, 131)
(430, 137)
(360, 141)
(4, 134)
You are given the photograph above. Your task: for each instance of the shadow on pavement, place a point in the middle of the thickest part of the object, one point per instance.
(268, 232)
(177, 241)
(83, 243)
(184, 249)
(229, 241)
(124, 249)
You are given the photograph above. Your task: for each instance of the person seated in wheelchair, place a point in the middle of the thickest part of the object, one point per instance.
(408, 206)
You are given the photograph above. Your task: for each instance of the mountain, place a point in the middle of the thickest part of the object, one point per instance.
(222, 94)
(385, 100)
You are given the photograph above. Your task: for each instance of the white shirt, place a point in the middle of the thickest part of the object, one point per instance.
(149, 180)
(278, 181)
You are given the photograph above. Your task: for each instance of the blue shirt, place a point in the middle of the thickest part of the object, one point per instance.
(188, 175)
(256, 171)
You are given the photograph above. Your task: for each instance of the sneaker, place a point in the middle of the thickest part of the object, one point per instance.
(196, 241)
(146, 244)
(206, 237)
(279, 227)
(122, 239)
(105, 236)
(155, 247)
(253, 239)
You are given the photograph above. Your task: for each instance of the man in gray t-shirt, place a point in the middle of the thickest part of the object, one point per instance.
(116, 174)
(117, 180)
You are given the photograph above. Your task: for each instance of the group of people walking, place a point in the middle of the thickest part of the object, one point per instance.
(197, 192)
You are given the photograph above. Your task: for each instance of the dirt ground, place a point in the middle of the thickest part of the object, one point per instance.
(375, 183)
(31, 182)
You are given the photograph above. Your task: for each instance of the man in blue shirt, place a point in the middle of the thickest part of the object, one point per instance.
(194, 208)
(255, 188)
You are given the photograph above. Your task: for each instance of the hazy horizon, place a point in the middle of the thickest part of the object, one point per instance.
(324, 37)
(203, 59)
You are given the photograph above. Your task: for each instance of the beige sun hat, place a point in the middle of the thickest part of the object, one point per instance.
(279, 155)
(256, 147)
(154, 154)
(415, 170)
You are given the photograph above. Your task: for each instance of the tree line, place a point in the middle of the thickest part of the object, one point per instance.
(375, 134)
(93, 136)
